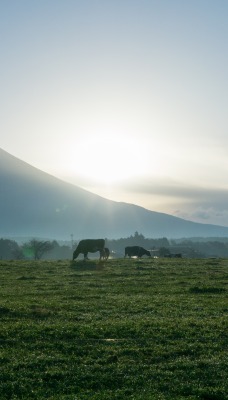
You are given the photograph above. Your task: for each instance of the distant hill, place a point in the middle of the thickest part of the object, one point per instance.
(36, 204)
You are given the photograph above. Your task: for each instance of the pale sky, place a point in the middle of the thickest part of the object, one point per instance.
(125, 98)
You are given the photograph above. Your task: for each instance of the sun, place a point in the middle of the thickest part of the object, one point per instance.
(109, 160)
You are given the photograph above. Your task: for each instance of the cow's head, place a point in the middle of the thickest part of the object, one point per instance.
(75, 254)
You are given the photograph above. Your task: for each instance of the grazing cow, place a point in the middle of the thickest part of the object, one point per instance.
(106, 253)
(137, 251)
(175, 255)
(89, 246)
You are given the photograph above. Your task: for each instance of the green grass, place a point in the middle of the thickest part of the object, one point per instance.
(123, 329)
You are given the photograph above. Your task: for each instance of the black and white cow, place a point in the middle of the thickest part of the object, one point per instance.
(86, 246)
(136, 251)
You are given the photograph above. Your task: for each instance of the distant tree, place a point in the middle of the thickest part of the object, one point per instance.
(36, 249)
(58, 252)
(18, 254)
(138, 239)
(9, 249)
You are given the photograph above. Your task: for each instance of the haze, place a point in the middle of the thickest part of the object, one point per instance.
(127, 99)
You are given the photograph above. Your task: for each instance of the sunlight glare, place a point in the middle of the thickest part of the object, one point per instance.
(108, 160)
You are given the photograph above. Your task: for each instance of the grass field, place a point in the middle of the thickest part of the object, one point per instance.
(123, 329)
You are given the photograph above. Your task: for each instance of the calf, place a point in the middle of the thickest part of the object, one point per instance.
(106, 253)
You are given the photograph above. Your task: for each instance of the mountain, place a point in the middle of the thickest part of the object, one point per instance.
(36, 204)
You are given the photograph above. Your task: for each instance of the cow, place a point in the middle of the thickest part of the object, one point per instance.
(106, 253)
(86, 246)
(136, 251)
(175, 255)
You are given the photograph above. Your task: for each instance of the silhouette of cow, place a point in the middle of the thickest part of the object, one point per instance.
(86, 246)
(136, 251)
(175, 255)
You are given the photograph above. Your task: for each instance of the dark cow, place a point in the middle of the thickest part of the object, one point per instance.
(175, 255)
(106, 253)
(89, 246)
(136, 251)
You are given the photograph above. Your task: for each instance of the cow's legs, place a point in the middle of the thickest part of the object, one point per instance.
(102, 253)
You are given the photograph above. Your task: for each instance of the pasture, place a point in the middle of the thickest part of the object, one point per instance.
(122, 329)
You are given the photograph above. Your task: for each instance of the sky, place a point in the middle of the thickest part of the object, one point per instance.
(125, 98)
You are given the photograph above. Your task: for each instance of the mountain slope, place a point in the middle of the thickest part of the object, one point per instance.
(34, 203)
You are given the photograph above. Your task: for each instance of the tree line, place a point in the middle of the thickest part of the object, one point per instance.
(52, 250)
(33, 249)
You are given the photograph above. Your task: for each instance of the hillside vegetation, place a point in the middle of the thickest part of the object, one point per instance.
(123, 329)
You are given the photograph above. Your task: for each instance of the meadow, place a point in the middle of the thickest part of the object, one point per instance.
(120, 329)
